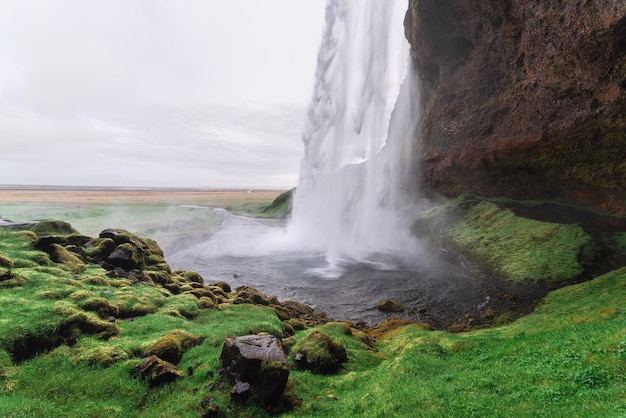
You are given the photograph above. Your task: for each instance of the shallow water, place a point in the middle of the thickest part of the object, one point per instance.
(432, 287)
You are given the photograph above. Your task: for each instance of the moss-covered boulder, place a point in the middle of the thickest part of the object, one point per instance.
(390, 305)
(171, 346)
(157, 371)
(126, 256)
(319, 353)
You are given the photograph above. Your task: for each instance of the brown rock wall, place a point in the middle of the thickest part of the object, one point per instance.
(524, 99)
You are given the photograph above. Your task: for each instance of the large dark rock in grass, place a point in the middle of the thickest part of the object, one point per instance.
(256, 366)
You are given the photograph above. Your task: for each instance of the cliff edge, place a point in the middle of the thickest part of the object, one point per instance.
(523, 99)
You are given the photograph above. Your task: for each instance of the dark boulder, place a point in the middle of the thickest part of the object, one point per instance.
(256, 366)
(126, 256)
(223, 285)
(390, 305)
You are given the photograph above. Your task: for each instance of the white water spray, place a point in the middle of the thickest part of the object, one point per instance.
(349, 201)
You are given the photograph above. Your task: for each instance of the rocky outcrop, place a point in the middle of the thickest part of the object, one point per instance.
(256, 366)
(522, 99)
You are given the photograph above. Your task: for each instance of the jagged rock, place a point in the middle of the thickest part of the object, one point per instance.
(157, 371)
(45, 242)
(522, 99)
(390, 305)
(319, 353)
(259, 362)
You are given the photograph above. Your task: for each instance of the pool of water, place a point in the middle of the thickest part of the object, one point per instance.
(431, 286)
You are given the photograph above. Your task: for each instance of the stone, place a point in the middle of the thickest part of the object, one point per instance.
(248, 294)
(158, 372)
(127, 257)
(256, 366)
(223, 285)
(390, 305)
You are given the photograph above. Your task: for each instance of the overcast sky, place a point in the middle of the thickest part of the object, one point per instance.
(171, 93)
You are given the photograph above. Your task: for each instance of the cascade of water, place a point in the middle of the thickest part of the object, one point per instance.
(349, 201)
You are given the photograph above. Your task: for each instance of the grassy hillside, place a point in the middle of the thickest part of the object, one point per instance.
(62, 355)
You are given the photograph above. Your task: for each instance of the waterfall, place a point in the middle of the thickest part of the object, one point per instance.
(351, 201)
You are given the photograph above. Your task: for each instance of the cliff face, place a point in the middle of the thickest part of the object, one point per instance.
(523, 98)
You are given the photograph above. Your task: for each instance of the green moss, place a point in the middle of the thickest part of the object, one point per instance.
(319, 353)
(67, 259)
(5, 261)
(521, 249)
(52, 228)
(171, 346)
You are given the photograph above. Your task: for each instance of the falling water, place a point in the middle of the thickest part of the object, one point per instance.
(348, 244)
(350, 201)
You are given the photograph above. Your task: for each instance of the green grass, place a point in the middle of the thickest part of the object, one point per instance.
(521, 249)
(568, 358)
(279, 208)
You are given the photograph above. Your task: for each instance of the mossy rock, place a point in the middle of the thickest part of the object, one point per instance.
(204, 292)
(171, 346)
(248, 294)
(159, 277)
(193, 276)
(127, 256)
(319, 353)
(390, 305)
(101, 306)
(69, 260)
(206, 303)
(52, 228)
(5, 261)
(12, 280)
(100, 248)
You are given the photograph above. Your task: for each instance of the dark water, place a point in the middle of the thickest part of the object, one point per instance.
(431, 287)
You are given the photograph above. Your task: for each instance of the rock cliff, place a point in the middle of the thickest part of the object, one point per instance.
(524, 99)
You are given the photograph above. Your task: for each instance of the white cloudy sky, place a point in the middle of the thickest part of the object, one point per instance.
(172, 93)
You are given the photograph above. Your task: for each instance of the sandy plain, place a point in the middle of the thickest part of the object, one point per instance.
(222, 198)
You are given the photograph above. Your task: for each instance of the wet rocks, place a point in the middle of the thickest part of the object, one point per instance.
(390, 305)
(256, 366)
